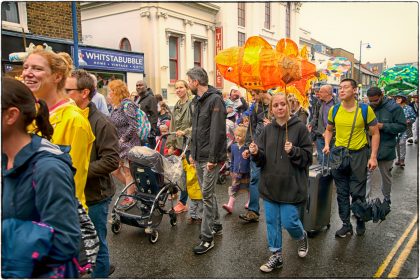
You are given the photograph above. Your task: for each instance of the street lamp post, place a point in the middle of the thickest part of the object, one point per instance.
(360, 61)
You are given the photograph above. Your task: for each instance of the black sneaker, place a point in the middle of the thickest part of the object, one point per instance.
(203, 247)
(303, 245)
(342, 232)
(217, 229)
(275, 261)
(360, 228)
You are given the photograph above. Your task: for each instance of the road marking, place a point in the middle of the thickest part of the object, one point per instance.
(403, 256)
(394, 250)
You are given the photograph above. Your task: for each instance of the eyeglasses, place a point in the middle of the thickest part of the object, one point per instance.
(70, 89)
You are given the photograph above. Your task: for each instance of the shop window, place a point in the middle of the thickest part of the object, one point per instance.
(173, 58)
(198, 53)
(125, 45)
(267, 18)
(241, 39)
(104, 78)
(241, 14)
(14, 16)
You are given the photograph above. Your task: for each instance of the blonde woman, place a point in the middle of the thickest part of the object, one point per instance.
(45, 73)
(124, 118)
(181, 124)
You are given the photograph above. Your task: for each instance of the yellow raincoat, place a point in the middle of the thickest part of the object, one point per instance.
(72, 128)
(193, 187)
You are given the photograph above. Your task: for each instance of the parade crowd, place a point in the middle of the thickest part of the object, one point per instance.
(64, 144)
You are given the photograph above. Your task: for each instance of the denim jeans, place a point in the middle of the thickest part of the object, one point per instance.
(254, 194)
(98, 213)
(207, 180)
(278, 215)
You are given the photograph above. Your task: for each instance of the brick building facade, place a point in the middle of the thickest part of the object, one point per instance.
(52, 19)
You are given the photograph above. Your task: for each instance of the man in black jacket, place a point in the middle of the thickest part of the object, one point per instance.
(148, 104)
(104, 159)
(208, 149)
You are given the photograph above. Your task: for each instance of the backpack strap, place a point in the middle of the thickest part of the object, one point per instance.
(335, 110)
(364, 108)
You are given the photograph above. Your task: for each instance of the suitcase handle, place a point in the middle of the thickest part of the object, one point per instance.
(308, 203)
(325, 170)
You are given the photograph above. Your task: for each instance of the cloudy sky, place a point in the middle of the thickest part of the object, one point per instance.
(391, 28)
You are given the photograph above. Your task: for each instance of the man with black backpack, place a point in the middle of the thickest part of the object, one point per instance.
(391, 121)
(352, 151)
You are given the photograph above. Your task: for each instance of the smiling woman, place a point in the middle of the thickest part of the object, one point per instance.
(45, 73)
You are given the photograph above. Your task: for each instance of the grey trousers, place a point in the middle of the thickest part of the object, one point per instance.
(385, 167)
(207, 180)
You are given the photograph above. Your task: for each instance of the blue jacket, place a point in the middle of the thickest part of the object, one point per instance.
(40, 187)
(392, 116)
(238, 164)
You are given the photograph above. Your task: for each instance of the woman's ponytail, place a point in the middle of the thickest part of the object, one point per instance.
(42, 120)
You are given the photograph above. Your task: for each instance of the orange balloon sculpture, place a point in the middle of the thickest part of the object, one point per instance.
(257, 65)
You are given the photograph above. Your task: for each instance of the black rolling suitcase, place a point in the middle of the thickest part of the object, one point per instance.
(317, 209)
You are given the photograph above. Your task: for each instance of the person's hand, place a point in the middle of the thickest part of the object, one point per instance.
(245, 154)
(288, 147)
(326, 149)
(179, 133)
(211, 165)
(309, 127)
(372, 164)
(266, 121)
(253, 148)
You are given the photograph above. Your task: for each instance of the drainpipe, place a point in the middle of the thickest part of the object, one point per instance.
(75, 35)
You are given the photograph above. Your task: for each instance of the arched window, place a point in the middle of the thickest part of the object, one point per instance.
(125, 45)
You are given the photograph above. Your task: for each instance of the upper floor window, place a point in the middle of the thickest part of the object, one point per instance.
(288, 8)
(125, 45)
(14, 16)
(241, 14)
(267, 18)
(173, 58)
(10, 12)
(198, 51)
(241, 39)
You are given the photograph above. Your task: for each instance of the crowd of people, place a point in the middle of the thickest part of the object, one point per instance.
(63, 142)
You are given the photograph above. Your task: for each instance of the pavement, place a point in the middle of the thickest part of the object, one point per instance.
(388, 249)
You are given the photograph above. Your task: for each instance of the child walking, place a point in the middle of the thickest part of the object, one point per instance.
(194, 192)
(284, 153)
(239, 168)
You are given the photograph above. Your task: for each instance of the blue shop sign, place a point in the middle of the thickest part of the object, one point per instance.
(91, 58)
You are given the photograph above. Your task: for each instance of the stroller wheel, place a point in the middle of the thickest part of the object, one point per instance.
(154, 236)
(221, 179)
(116, 227)
(172, 219)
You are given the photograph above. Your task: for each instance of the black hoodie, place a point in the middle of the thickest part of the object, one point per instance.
(208, 142)
(284, 178)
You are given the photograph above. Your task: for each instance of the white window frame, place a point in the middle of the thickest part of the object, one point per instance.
(23, 19)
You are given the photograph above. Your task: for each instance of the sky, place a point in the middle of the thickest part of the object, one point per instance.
(391, 28)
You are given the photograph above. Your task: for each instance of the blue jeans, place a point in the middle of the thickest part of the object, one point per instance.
(98, 213)
(320, 143)
(278, 215)
(254, 194)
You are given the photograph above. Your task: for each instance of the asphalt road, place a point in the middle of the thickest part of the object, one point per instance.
(388, 249)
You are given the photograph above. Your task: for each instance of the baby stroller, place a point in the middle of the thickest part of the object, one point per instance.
(156, 178)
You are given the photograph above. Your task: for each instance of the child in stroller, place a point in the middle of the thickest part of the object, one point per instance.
(155, 177)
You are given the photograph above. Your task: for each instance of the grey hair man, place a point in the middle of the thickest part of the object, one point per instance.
(98, 98)
(320, 118)
(208, 150)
